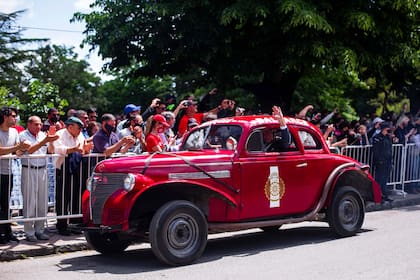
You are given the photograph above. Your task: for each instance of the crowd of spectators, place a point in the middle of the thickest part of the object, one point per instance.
(159, 127)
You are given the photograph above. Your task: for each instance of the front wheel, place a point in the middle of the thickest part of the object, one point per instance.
(346, 212)
(106, 243)
(178, 233)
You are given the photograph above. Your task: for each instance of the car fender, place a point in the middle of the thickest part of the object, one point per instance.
(369, 191)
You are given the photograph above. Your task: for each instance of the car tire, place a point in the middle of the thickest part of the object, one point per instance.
(178, 233)
(347, 212)
(106, 243)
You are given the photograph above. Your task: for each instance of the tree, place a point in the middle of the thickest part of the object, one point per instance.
(12, 52)
(263, 46)
(122, 90)
(41, 97)
(60, 66)
(8, 99)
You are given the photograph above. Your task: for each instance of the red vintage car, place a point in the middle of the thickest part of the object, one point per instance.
(226, 177)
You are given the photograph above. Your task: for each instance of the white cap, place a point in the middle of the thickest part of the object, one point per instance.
(377, 119)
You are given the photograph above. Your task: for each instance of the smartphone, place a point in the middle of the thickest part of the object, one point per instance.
(52, 130)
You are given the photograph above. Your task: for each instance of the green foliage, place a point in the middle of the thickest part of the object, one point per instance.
(41, 97)
(7, 99)
(121, 91)
(12, 53)
(262, 46)
(61, 67)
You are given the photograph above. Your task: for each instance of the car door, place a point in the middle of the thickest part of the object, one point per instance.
(272, 183)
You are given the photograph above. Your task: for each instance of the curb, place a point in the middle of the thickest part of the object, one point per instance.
(397, 203)
(49, 249)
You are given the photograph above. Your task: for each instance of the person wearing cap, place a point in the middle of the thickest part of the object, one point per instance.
(375, 129)
(382, 158)
(34, 178)
(130, 110)
(70, 145)
(106, 141)
(154, 142)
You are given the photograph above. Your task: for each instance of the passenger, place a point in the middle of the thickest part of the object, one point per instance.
(282, 141)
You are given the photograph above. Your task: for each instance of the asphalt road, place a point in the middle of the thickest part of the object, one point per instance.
(387, 248)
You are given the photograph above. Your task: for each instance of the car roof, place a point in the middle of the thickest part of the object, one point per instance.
(256, 120)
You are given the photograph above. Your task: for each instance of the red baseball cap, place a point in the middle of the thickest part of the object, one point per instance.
(161, 119)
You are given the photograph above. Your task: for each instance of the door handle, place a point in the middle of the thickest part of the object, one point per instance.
(302, 164)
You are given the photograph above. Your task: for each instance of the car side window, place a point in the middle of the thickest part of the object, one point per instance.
(223, 137)
(309, 141)
(269, 140)
(255, 142)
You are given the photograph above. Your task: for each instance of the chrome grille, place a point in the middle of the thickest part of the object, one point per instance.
(106, 184)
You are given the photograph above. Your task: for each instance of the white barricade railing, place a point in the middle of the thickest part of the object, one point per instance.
(405, 167)
(72, 209)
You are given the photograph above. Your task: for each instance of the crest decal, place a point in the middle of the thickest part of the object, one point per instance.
(274, 187)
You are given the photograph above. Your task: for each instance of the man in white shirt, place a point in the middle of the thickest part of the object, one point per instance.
(71, 145)
(34, 178)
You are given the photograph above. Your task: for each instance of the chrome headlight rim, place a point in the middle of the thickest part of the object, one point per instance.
(129, 182)
(89, 184)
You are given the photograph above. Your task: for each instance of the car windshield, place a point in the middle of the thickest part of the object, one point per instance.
(224, 137)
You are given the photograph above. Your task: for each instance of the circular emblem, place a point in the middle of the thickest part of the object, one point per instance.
(274, 189)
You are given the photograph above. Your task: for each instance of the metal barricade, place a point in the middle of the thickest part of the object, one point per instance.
(405, 167)
(49, 186)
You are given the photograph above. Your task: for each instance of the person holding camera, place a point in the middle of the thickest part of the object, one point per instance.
(226, 109)
(130, 110)
(157, 106)
(191, 111)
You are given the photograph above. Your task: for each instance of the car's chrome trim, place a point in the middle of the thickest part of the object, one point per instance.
(200, 175)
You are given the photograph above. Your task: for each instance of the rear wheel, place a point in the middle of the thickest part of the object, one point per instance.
(346, 212)
(106, 243)
(178, 233)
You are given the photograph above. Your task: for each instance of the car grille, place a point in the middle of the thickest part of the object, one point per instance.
(106, 184)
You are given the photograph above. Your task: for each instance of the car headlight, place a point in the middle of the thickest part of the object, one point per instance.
(129, 182)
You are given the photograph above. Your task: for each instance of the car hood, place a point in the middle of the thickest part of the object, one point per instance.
(164, 163)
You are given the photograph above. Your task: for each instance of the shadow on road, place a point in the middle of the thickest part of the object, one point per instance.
(236, 245)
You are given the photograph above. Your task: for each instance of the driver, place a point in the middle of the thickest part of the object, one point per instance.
(279, 142)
